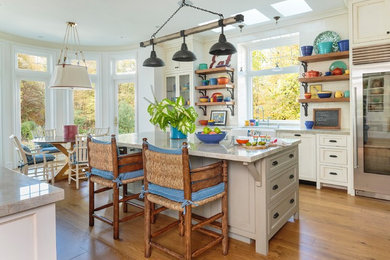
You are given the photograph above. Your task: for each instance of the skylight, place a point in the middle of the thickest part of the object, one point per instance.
(252, 16)
(292, 7)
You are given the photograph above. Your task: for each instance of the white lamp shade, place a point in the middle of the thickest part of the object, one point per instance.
(67, 76)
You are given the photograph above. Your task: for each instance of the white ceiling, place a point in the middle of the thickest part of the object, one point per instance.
(121, 22)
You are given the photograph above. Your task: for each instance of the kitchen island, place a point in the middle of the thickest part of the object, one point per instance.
(263, 184)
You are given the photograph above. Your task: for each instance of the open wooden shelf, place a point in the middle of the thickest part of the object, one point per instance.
(230, 103)
(325, 78)
(214, 70)
(214, 87)
(325, 57)
(322, 100)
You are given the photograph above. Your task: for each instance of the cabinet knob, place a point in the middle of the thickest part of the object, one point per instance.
(276, 215)
(332, 141)
(291, 176)
(274, 163)
(388, 32)
(292, 201)
(275, 187)
(297, 134)
(291, 155)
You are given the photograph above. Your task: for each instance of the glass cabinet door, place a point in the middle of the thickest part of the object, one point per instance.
(184, 82)
(171, 87)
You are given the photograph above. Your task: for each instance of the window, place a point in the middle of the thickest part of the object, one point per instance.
(32, 62)
(126, 107)
(32, 108)
(126, 66)
(274, 79)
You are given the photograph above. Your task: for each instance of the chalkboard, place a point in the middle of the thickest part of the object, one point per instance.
(326, 118)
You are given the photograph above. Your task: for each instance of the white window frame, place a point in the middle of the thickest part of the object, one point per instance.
(266, 44)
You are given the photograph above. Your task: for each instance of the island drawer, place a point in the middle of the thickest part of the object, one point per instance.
(333, 140)
(331, 173)
(278, 215)
(279, 161)
(333, 156)
(282, 182)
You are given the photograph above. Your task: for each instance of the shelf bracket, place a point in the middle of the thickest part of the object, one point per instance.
(204, 109)
(202, 76)
(305, 85)
(254, 172)
(231, 91)
(305, 105)
(231, 107)
(231, 75)
(304, 65)
(203, 92)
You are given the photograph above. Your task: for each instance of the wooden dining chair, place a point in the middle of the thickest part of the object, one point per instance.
(99, 131)
(34, 163)
(78, 160)
(112, 171)
(169, 182)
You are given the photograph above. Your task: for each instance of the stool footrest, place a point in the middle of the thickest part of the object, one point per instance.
(124, 219)
(209, 245)
(214, 224)
(101, 218)
(166, 250)
(207, 221)
(165, 229)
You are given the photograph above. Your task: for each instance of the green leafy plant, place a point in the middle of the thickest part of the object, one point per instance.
(167, 112)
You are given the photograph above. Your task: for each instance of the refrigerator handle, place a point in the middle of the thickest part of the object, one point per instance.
(355, 136)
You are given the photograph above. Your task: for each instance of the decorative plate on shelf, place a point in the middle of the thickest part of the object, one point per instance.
(338, 64)
(327, 36)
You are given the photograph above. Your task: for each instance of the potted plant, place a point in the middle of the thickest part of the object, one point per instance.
(174, 114)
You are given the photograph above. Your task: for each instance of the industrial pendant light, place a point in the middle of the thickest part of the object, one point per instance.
(222, 47)
(66, 75)
(184, 54)
(153, 61)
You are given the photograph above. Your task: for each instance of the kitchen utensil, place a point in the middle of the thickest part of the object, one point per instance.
(337, 71)
(338, 64)
(205, 82)
(213, 81)
(307, 95)
(324, 94)
(203, 66)
(227, 99)
(217, 96)
(203, 122)
(223, 80)
(306, 50)
(312, 74)
(327, 36)
(343, 45)
(211, 139)
(309, 124)
(211, 123)
(324, 47)
(346, 72)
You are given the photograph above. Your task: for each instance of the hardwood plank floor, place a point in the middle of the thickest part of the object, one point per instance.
(332, 225)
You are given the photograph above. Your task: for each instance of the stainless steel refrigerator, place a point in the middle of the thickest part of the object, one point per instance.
(371, 123)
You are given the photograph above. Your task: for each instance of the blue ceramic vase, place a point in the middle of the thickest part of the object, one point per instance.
(176, 134)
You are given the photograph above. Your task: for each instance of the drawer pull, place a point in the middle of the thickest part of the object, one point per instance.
(274, 163)
(291, 176)
(332, 141)
(333, 156)
(291, 155)
(333, 173)
(276, 215)
(275, 187)
(297, 134)
(292, 201)
(388, 32)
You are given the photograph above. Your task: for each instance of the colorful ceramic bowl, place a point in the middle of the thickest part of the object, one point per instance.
(309, 124)
(324, 94)
(203, 122)
(325, 47)
(203, 66)
(343, 45)
(210, 139)
(242, 140)
(213, 81)
(306, 50)
(204, 99)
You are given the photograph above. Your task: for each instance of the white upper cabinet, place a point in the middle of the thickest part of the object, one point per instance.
(370, 22)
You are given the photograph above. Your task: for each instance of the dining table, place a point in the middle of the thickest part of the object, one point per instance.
(60, 143)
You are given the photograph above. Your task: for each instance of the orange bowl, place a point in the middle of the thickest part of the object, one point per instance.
(223, 80)
(203, 122)
(242, 141)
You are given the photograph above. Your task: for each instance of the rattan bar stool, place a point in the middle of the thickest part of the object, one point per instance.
(169, 182)
(112, 171)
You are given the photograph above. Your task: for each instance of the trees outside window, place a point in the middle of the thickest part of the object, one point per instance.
(31, 62)
(126, 107)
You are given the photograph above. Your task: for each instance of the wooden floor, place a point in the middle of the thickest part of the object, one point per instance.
(332, 225)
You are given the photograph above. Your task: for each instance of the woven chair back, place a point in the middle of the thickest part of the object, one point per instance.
(101, 156)
(81, 149)
(164, 169)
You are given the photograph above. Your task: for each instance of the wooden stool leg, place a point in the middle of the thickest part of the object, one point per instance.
(153, 217)
(225, 231)
(124, 195)
(91, 202)
(77, 177)
(116, 211)
(181, 224)
(147, 221)
(188, 230)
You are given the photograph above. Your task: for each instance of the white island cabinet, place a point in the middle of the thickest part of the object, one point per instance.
(263, 184)
(27, 217)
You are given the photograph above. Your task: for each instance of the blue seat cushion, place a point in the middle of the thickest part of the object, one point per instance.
(50, 149)
(39, 158)
(123, 176)
(178, 195)
(44, 145)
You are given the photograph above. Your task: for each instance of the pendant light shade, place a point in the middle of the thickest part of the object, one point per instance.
(222, 47)
(67, 76)
(153, 61)
(184, 54)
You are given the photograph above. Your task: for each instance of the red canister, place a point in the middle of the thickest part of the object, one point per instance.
(70, 131)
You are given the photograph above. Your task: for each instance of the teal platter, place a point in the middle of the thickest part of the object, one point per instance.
(338, 64)
(327, 36)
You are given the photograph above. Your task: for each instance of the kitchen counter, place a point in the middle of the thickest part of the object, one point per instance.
(226, 149)
(313, 131)
(27, 217)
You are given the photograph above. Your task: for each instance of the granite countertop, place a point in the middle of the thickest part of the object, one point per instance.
(313, 131)
(226, 149)
(20, 193)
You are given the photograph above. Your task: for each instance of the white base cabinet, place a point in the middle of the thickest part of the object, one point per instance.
(307, 155)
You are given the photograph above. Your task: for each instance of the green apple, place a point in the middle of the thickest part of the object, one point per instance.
(217, 130)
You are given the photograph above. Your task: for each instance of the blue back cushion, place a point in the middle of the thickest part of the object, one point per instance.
(26, 149)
